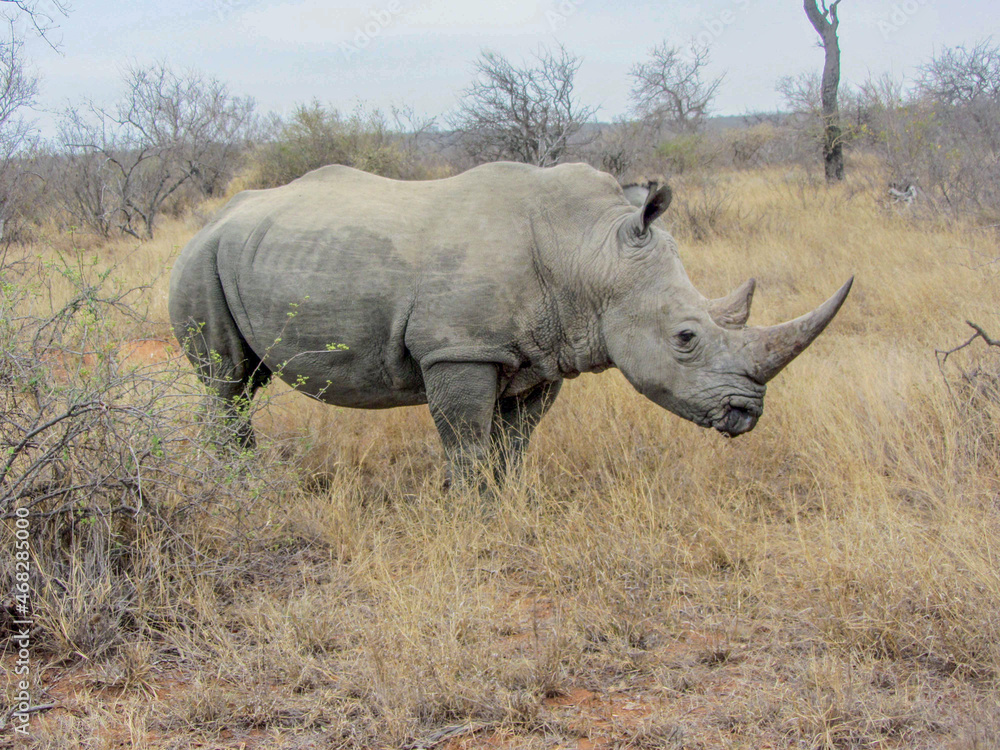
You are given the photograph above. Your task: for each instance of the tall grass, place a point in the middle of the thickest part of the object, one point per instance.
(829, 580)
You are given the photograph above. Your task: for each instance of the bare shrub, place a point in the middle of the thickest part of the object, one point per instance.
(686, 153)
(942, 137)
(522, 113)
(18, 138)
(83, 182)
(619, 148)
(754, 145)
(170, 131)
(801, 95)
(670, 89)
(976, 384)
(315, 136)
(707, 207)
(104, 456)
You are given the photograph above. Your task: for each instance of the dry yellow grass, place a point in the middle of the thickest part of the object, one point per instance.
(829, 580)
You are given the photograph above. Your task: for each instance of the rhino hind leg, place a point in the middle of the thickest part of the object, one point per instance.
(514, 419)
(232, 373)
(236, 396)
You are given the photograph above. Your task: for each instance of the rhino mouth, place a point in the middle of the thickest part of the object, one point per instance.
(737, 420)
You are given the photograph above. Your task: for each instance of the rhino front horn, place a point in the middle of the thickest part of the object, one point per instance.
(773, 347)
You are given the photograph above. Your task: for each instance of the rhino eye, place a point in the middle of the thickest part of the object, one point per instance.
(684, 338)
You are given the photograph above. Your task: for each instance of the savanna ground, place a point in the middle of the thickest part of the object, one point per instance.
(829, 580)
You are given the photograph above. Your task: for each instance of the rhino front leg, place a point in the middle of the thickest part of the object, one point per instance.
(514, 419)
(462, 397)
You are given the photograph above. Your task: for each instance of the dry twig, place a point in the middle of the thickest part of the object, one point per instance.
(942, 354)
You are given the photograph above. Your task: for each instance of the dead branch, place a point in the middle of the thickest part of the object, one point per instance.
(943, 354)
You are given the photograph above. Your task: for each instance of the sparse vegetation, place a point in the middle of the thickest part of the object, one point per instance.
(122, 167)
(648, 583)
(669, 89)
(526, 113)
(315, 136)
(18, 136)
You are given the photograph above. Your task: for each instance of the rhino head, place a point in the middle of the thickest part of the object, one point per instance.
(692, 355)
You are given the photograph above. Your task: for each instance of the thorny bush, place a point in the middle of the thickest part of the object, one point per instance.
(107, 458)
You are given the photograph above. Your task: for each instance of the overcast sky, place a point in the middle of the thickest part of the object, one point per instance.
(418, 52)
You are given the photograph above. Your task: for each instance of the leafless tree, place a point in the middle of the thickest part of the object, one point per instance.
(86, 176)
(670, 88)
(802, 93)
(168, 131)
(195, 117)
(825, 21)
(967, 81)
(960, 76)
(133, 177)
(18, 88)
(527, 113)
(42, 14)
(960, 87)
(619, 147)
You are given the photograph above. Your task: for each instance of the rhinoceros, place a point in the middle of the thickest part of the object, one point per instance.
(477, 294)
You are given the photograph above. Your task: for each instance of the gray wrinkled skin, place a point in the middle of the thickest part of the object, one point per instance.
(477, 294)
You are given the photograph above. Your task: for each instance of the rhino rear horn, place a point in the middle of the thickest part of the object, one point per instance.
(657, 201)
(733, 310)
(772, 348)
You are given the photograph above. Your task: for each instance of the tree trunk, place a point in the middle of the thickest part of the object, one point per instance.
(825, 22)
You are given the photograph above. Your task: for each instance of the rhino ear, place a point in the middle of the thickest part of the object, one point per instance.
(656, 203)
